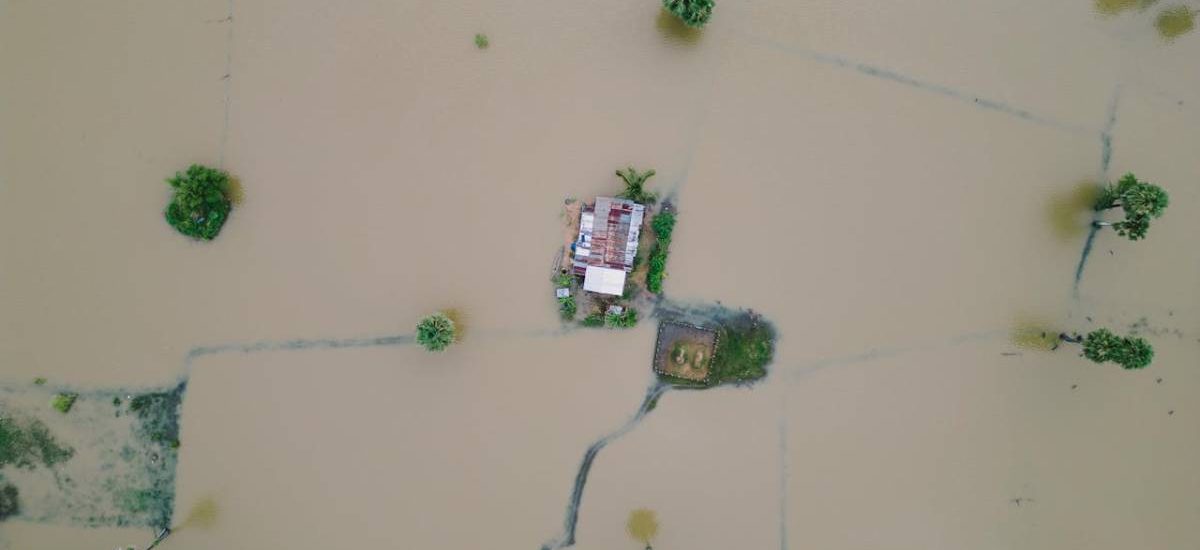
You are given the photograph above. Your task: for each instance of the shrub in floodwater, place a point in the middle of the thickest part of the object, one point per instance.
(64, 401)
(1101, 345)
(39, 381)
(200, 205)
(635, 183)
(1141, 201)
(626, 319)
(481, 41)
(436, 332)
(663, 224)
(567, 308)
(693, 13)
(595, 319)
(642, 525)
(564, 280)
(9, 505)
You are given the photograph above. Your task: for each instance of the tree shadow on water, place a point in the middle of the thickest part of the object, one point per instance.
(1070, 212)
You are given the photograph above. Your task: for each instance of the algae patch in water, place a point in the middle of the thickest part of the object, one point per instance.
(1175, 21)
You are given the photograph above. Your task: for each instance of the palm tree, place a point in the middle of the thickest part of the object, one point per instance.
(436, 332)
(1101, 345)
(634, 186)
(693, 13)
(1141, 201)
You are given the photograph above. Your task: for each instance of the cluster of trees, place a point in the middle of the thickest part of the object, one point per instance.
(663, 224)
(201, 202)
(1141, 202)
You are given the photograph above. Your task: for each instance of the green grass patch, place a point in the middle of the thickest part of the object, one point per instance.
(481, 41)
(27, 443)
(595, 319)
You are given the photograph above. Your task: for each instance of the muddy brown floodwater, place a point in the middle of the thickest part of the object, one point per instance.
(888, 182)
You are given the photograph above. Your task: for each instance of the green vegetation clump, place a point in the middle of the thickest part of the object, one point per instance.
(1141, 201)
(1131, 352)
(745, 346)
(9, 505)
(626, 319)
(481, 41)
(200, 205)
(663, 224)
(567, 308)
(693, 13)
(64, 401)
(436, 332)
(595, 319)
(39, 381)
(27, 443)
(635, 183)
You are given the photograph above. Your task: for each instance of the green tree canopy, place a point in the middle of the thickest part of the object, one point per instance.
(1130, 352)
(635, 186)
(1141, 201)
(436, 332)
(200, 205)
(693, 13)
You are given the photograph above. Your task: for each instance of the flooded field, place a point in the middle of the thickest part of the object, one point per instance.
(901, 188)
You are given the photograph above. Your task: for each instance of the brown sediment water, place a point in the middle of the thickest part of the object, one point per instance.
(873, 178)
